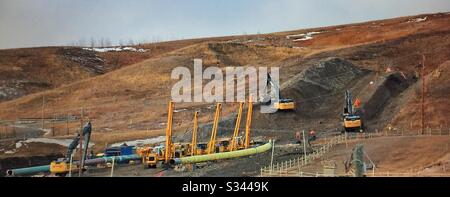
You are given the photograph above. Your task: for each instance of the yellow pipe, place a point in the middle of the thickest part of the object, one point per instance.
(236, 127)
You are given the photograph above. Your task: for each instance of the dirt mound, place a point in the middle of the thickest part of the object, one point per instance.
(437, 104)
(384, 101)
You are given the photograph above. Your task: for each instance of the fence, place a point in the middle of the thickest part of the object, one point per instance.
(292, 167)
(283, 168)
(376, 174)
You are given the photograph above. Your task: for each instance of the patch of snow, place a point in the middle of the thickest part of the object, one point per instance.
(417, 20)
(142, 141)
(18, 144)
(303, 37)
(62, 142)
(179, 110)
(116, 49)
(295, 36)
(10, 151)
(46, 131)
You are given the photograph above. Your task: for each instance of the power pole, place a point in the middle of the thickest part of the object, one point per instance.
(304, 146)
(81, 143)
(43, 107)
(67, 124)
(422, 111)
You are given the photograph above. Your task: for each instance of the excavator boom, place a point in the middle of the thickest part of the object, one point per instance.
(168, 147)
(236, 128)
(194, 135)
(212, 141)
(248, 123)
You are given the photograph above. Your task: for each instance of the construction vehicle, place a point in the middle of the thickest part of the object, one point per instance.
(283, 104)
(63, 165)
(151, 156)
(351, 121)
(181, 150)
(234, 144)
(202, 149)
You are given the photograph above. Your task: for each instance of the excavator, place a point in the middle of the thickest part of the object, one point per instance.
(351, 121)
(283, 104)
(63, 165)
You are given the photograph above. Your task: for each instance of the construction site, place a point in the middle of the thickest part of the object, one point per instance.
(362, 99)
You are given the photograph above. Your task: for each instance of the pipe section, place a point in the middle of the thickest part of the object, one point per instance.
(88, 162)
(224, 155)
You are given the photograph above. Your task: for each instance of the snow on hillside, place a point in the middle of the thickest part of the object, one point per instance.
(116, 49)
(302, 37)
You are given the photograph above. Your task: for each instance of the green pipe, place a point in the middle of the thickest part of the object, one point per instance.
(30, 170)
(89, 162)
(224, 155)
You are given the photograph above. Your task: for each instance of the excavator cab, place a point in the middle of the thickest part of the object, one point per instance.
(201, 149)
(224, 146)
(283, 104)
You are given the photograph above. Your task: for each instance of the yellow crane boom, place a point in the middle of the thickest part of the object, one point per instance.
(236, 127)
(168, 148)
(194, 134)
(248, 123)
(212, 141)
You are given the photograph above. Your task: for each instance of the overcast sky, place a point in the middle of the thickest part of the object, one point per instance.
(27, 23)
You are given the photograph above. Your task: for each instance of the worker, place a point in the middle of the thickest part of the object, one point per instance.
(298, 137)
(357, 103)
(311, 137)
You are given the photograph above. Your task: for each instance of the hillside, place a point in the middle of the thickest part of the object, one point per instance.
(131, 97)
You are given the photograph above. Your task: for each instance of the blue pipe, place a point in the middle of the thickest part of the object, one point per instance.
(89, 162)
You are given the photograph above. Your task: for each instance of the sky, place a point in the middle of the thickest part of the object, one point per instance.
(31, 23)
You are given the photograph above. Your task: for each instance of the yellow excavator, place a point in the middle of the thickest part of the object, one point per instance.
(351, 121)
(63, 165)
(283, 104)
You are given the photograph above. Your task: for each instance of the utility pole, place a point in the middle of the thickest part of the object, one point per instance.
(67, 124)
(422, 111)
(43, 107)
(304, 146)
(81, 143)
